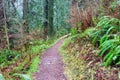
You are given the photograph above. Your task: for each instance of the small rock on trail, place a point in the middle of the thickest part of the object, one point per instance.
(51, 67)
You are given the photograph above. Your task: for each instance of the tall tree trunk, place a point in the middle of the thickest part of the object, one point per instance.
(51, 15)
(5, 25)
(46, 17)
(1, 13)
(25, 15)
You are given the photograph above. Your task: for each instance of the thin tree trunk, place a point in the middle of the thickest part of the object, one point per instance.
(25, 15)
(5, 25)
(46, 17)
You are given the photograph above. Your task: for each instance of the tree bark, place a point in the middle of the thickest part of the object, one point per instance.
(46, 17)
(25, 15)
(51, 15)
(5, 25)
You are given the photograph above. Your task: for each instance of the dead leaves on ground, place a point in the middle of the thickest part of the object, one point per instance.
(82, 63)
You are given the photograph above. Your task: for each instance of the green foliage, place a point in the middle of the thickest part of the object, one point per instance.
(34, 49)
(114, 4)
(40, 45)
(8, 56)
(1, 77)
(89, 33)
(61, 13)
(74, 31)
(23, 76)
(107, 35)
(61, 32)
(106, 26)
(111, 49)
(72, 51)
(34, 65)
(30, 59)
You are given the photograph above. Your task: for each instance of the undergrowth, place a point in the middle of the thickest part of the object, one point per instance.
(74, 66)
(21, 64)
(108, 39)
(82, 61)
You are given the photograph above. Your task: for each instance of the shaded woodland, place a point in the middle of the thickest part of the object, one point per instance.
(90, 50)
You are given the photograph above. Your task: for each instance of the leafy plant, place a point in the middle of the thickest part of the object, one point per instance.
(74, 31)
(107, 34)
(106, 26)
(89, 33)
(34, 65)
(8, 55)
(110, 49)
(62, 32)
(23, 76)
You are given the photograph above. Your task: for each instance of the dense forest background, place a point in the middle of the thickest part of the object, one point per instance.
(29, 27)
(21, 17)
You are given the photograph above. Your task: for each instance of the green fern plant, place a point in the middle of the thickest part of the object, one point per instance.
(106, 26)
(74, 31)
(22, 76)
(110, 50)
(8, 56)
(107, 34)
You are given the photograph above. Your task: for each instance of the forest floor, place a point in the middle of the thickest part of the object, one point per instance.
(82, 62)
(51, 67)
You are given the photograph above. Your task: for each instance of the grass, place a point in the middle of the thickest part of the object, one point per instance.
(34, 66)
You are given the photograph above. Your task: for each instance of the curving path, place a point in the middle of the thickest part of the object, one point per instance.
(51, 67)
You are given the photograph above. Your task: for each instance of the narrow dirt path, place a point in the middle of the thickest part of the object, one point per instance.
(51, 67)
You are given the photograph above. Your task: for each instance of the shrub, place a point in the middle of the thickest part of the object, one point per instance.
(23, 76)
(107, 35)
(110, 50)
(62, 32)
(107, 25)
(8, 55)
(73, 31)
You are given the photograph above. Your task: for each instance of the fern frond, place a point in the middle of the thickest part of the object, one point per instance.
(23, 76)
(111, 29)
(103, 39)
(106, 46)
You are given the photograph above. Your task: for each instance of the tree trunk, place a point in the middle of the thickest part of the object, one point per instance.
(5, 25)
(25, 15)
(51, 15)
(46, 17)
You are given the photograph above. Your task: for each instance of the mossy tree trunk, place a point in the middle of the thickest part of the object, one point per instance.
(25, 15)
(51, 15)
(46, 17)
(5, 25)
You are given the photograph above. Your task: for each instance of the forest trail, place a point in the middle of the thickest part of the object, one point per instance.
(51, 67)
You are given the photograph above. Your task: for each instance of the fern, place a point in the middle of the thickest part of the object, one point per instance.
(106, 46)
(106, 26)
(104, 38)
(111, 29)
(23, 76)
(107, 33)
(112, 47)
